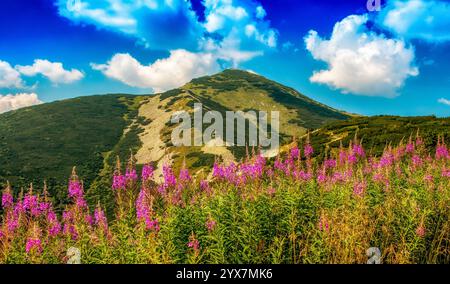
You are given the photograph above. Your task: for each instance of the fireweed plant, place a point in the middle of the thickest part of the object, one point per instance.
(293, 209)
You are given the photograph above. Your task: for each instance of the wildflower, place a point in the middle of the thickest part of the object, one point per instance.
(147, 173)
(31, 203)
(271, 191)
(204, 185)
(152, 224)
(142, 209)
(130, 175)
(352, 159)
(54, 225)
(420, 231)
(169, 177)
(295, 153)
(417, 161)
(1, 234)
(323, 224)
(442, 152)
(308, 150)
(330, 164)
(193, 243)
(410, 147)
(358, 150)
(7, 198)
(359, 188)
(75, 189)
(184, 176)
(100, 219)
(119, 182)
(33, 244)
(446, 173)
(210, 224)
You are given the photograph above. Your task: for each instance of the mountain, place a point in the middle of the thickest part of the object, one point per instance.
(46, 141)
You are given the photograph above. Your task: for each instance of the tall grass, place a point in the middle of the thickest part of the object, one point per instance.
(292, 209)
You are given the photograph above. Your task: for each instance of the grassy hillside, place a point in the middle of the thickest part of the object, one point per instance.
(46, 141)
(377, 132)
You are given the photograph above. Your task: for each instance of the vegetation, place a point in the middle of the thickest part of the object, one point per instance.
(294, 209)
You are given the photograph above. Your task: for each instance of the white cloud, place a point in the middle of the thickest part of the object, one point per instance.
(164, 74)
(361, 62)
(236, 28)
(444, 101)
(54, 71)
(417, 19)
(159, 24)
(9, 77)
(12, 102)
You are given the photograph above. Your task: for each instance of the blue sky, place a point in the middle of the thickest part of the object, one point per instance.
(393, 61)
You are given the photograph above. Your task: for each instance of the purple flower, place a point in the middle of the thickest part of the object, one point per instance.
(147, 173)
(204, 185)
(119, 182)
(100, 219)
(184, 176)
(359, 189)
(295, 153)
(210, 224)
(330, 164)
(33, 244)
(75, 189)
(130, 175)
(142, 209)
(358, 150)
(7, 199)
(442, 152)
(31, 203)
(169, 177)
(308, 150)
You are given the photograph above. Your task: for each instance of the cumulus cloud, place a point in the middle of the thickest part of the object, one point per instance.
(11, 102)
(417, 19)
(164, 74)
(9, 77)
(160, 24)
(54, 71)
(444, 101)
(360, 61)
(236, 29)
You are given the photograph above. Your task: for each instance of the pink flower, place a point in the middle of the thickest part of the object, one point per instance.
(184, 176)
(358, 150)
(169, 177)
(100, 219)
(410, 147)
(308, 150)
(420, 231)
(75, 189)
(130, 175)
(442, 152)
(330, 164)
(33, 244)
(417, 161)
(7, 199)
(271, 191)
(204, 185)
(295, 153)
(147, 173)
(210, 224)
(193, 243)
(359, 188)
(119, 182)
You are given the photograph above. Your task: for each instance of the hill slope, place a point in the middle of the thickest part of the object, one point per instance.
(45, 141)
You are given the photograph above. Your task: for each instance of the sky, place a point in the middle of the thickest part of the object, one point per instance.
(369, 57)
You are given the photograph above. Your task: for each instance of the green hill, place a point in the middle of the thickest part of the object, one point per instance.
(44, 142)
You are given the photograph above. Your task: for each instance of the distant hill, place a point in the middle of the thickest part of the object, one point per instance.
(45, 141)
(377, 132)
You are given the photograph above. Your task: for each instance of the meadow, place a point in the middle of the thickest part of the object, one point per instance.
(294, 208)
